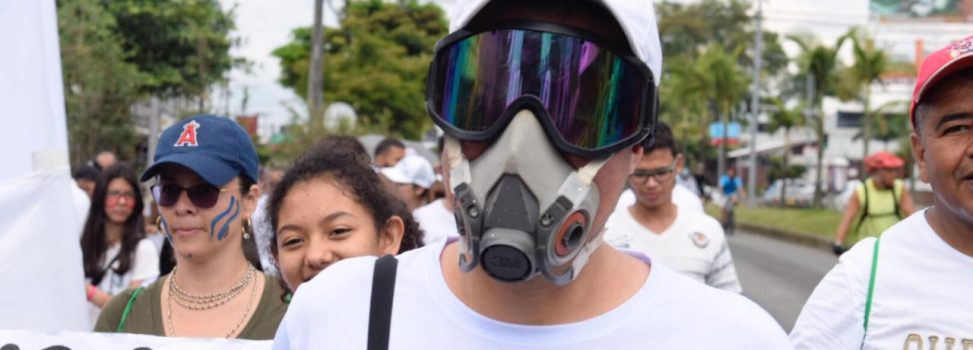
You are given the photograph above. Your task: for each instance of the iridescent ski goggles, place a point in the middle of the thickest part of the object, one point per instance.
(591, 98)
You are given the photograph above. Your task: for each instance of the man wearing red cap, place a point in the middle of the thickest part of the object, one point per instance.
(910, 289)
(878, 203)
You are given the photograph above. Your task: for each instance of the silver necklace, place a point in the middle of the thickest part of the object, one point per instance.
(171, 328)
(205, 302)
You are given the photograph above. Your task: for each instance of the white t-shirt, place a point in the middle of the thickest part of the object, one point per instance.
(668, 312)
(145, 265)
(922, 295)
(681, 197)
(436, 221)
(694, 245)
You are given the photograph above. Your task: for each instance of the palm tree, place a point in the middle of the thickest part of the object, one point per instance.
(892, 124)
(870, 63)
(785, 118)
(720, 81)
(685, 108)
(819, 64)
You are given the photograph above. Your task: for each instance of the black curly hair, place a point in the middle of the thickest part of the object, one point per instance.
(340, 144)
(358, 179)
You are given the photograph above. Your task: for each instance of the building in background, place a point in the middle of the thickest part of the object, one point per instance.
(906, 29)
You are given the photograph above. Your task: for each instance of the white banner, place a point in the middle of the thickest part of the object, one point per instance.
(41, 274)
(34, 340)
(31, 92)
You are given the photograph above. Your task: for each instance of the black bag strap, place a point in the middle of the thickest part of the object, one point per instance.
(96, 279)
(865, 212)
(380, 311)
(895, 200)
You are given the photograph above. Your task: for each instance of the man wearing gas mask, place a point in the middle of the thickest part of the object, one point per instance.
(543, 104)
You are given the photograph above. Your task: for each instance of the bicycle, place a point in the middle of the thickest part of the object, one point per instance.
(729, 215)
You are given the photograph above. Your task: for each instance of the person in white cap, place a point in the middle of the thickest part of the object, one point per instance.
(437, 218)
(412, 177)
(544, 104)
(910, 287)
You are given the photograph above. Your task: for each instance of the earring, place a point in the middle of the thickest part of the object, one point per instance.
(158, 225)
(247, 228)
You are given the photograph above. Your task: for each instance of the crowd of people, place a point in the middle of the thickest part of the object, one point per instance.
(559, 215)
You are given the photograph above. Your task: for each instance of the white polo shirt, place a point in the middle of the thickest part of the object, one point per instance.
(694, 245)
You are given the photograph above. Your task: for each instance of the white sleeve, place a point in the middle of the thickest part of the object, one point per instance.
(281, 340)
(724, 273)
(146, 263)
(833, 316)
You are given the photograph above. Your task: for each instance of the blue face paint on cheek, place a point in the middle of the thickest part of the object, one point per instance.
(212, 225)
(226, 225)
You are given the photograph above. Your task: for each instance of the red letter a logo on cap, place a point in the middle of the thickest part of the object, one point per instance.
(188, 136)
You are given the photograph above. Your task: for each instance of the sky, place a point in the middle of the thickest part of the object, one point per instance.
(264, 25)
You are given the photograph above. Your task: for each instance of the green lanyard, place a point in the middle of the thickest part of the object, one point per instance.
(128, 308)
(871, 289)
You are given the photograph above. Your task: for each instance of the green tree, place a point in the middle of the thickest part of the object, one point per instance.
(687, 29)
(99, 84)
(819, 72)
(181, 46)
(717, 81)
(689, 119)
(687, 32)
(377, 62)
(870, 63)
(786, 118)
(891, 125)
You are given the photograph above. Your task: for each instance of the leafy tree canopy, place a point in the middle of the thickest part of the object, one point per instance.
(182, 46)
(99, 83)
(117, 52)
(376, 61)
(708, 59)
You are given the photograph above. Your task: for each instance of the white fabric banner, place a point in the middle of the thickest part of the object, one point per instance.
(42, 284)
(30, 340)
(31, 90)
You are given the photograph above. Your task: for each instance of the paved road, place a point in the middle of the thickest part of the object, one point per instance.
(777, 274)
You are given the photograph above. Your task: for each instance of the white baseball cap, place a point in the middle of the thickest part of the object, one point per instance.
(412, 169)
(636, 17)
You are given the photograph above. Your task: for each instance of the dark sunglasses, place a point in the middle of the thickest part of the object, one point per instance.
(202, 195)
(591, 97)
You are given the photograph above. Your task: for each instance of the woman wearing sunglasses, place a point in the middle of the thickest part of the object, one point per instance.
(116, 253)
(206, 169)
(330, 206)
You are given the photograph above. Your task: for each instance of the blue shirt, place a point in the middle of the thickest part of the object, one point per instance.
(730, 187)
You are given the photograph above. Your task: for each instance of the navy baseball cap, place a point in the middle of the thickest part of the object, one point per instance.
(215, 148)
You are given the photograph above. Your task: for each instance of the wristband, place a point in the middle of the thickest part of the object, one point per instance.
(91, 291)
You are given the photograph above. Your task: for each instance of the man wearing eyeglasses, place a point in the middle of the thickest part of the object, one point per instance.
(544, 104)
(686, 241)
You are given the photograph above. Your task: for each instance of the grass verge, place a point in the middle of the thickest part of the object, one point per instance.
(821, 222)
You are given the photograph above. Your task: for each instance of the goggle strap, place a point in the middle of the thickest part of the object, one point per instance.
(587, 173)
